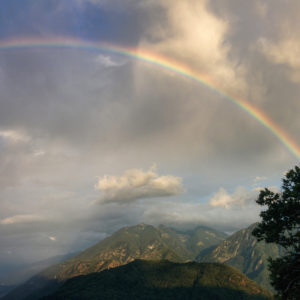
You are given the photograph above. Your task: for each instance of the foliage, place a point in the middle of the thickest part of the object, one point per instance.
(281, 224)
(163, 280)
(242, 251)
(136, 242)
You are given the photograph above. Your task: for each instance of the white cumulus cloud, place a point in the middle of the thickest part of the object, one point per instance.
(193, 35)
(136, 184)
(284, 51)
(240, 197)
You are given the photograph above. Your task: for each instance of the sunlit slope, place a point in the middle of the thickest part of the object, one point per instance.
(195, 240)
(242, 251)
(138, 242)
(127, 244)
(163, 280)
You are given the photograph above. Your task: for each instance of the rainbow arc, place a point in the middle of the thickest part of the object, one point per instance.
(161, 62)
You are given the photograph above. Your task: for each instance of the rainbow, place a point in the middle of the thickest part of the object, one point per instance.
(161, 62)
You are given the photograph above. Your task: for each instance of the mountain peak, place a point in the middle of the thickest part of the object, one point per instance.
(129, 243)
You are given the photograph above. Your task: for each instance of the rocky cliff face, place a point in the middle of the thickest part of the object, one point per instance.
(242, 251)
(124, 246)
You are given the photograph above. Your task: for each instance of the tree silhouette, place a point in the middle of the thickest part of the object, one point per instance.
(281, 225)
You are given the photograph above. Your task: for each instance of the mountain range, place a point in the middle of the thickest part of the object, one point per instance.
(242, 251)
(151, 243)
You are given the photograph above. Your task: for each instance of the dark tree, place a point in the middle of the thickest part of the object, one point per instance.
(281, 225)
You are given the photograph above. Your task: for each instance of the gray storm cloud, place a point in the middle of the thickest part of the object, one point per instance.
(136, 184)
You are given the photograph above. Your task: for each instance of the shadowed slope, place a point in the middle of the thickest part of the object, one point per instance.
(163, 280)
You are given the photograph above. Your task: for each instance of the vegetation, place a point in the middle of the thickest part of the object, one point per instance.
(242, 251)
(281, 225)
(163, 280)
(127, 244)
(194, 241)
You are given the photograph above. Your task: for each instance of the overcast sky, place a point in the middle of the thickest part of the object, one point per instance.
(91, 141)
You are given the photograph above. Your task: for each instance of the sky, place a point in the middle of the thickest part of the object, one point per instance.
(92, 140)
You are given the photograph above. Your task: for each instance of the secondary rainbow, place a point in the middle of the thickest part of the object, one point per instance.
(161, 62)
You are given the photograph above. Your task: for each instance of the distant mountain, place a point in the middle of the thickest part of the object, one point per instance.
(242, 251)
(195, 240)
(163, 280)
(124, 246)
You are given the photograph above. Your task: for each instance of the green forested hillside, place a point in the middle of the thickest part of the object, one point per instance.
(163, 280)
(195, 240)
(147, 242)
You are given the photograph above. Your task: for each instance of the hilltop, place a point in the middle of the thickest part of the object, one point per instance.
(163, 280)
